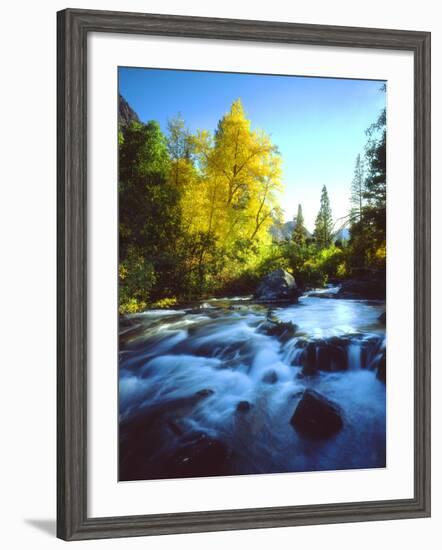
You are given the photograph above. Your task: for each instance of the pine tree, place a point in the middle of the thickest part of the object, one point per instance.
(324, 222)
(299, 232)
(368, 239)
(357, 191)
(376, 153)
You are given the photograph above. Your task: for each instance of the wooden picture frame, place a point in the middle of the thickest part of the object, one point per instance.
(74, 26)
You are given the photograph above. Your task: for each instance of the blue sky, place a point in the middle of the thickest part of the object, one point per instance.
(317, 123)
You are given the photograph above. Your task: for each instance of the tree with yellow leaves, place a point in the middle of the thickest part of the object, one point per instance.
(236, 199)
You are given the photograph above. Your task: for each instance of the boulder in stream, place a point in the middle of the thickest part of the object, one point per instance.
(327, 355)
(278, 286)
(367, 286)
(316, 416)
(381, 370)
(243, 406)
(338, 353)
(284, 331)
(206, 392)
(270, 377)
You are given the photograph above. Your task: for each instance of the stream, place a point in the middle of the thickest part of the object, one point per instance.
(211, 389)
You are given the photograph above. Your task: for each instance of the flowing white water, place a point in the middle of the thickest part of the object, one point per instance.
(354, 355)
(188, 371)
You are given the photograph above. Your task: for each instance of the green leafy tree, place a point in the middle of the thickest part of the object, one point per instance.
(149, 215)
(179, 138)
(180, 147)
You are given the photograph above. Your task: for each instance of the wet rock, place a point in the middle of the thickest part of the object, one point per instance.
(367, 286)
(316, 416)
(326, 295)
(308, 359)
(334, 355)
(128, 328)
(278, 286)
(270, 377)
(175, 427)
(327, 355)
(337, 353)
(149, 417)
(204, 393)
(383, 318)
(238, 307)
(243, 406)
(302, 343)
(279, 329)
(381, 370)
(200, 455)
(125, 322)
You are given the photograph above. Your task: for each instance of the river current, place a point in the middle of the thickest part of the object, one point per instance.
(210, 389)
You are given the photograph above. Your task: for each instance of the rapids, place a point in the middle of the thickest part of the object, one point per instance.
(210, 381)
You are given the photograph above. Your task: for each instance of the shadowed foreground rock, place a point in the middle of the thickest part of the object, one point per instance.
(278, 286)
(201, 455)
(316, 416)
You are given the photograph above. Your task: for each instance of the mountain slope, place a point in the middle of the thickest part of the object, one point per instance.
(126, 114)
(283, 231)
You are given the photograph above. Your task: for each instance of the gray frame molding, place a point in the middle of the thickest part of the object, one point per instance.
(73, 28)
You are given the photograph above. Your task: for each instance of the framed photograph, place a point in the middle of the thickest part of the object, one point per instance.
(243, 274)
